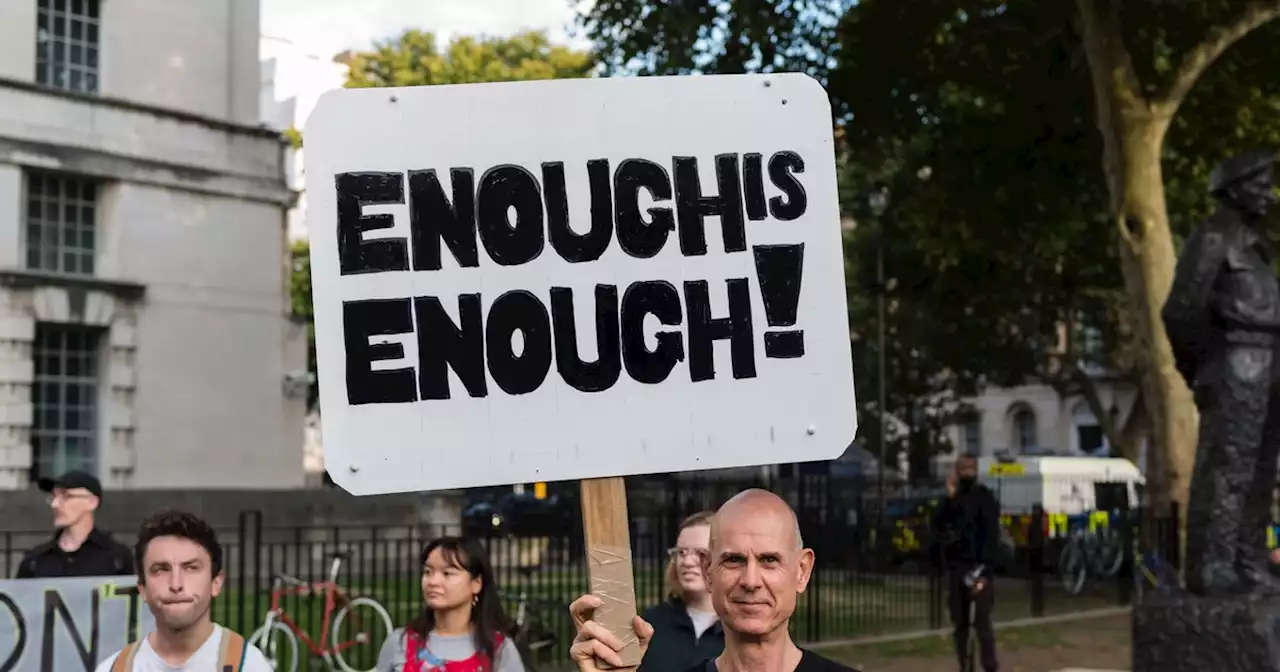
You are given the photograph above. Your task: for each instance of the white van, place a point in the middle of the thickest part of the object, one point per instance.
(1070, 486)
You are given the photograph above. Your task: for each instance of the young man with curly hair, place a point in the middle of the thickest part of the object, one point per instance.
(179, 566)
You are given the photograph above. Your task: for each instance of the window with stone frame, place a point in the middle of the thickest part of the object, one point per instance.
(61, 230)
(64, 396)
(67, 44)
(1024, 430)
(973, 435)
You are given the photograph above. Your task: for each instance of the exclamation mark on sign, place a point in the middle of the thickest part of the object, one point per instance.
(779, 268)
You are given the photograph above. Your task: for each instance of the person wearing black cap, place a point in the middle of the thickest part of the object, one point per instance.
(77, 548)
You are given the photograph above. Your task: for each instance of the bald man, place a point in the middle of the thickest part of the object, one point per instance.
(756, 565)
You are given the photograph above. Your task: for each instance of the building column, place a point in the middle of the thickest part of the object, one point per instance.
(119, 454)
(17, 331)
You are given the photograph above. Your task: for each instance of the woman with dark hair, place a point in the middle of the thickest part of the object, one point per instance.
(686, 630)
(462, 627)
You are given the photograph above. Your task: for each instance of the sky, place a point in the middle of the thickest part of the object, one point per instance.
(326, 27)
(304, 35)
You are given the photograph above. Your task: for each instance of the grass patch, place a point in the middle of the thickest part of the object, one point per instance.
(1035, 646)
(938, 646)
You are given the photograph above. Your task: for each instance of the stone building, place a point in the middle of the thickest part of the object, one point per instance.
(1033, 419)
(145, 327)
(1036, 419)
(292, 82)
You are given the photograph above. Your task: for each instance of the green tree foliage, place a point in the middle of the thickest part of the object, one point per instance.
(1032, 152)
(300, 302)
(921, 393)
(300, 285)
(727, 37)
(413, 59)
(293, 136)
(1024, 102)
(1008, 239)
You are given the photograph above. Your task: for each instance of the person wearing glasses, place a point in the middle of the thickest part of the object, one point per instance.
(686, 630)
(78, 547)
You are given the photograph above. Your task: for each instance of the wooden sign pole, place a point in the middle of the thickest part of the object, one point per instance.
(608, 544)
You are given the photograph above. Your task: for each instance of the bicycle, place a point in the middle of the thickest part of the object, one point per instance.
(1153, 574)
(280, 634)
(1098, 553)
(529, 631)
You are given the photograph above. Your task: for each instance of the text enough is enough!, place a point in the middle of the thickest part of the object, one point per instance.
(512, 214)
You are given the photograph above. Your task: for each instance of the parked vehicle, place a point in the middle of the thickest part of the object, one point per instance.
(518, 514)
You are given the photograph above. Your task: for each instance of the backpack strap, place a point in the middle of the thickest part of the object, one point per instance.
(124, 659)
(487, 664)
(412, 647)
(231, 652)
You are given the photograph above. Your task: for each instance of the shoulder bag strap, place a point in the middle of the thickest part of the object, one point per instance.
(124, 660)
(231, 652)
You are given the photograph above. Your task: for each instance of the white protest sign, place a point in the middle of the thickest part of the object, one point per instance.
(64, 625)
(555, 280)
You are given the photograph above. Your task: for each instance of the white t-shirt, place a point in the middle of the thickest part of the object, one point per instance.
(205, 659)
(702, 620)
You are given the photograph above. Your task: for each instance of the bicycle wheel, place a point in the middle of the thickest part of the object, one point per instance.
(1073, 568)
(526, 656)
(536, 642)
(1108, 553)
(278, 645)
(372, 625)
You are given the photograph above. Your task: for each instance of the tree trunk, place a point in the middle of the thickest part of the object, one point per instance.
(1147, 259)
(1133, 130)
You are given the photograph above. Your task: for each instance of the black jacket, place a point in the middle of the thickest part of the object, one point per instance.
(966, 530)
(99, 555)
(674, 645)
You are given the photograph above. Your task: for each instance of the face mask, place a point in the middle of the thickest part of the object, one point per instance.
(966, 482)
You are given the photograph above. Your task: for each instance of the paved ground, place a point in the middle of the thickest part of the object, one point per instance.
(1100, 644)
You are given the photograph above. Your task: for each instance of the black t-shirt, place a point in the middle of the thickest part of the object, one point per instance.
(809, 662)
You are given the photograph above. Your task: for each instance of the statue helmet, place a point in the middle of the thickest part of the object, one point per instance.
(1239, 168)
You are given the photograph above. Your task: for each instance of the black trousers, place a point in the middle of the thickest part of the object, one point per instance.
(960, 599)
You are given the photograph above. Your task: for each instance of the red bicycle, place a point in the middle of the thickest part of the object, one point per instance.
(278, 637)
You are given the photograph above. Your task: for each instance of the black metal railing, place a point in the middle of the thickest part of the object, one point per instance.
(874, 572)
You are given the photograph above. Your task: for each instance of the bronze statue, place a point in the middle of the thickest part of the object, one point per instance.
(1223, 320)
